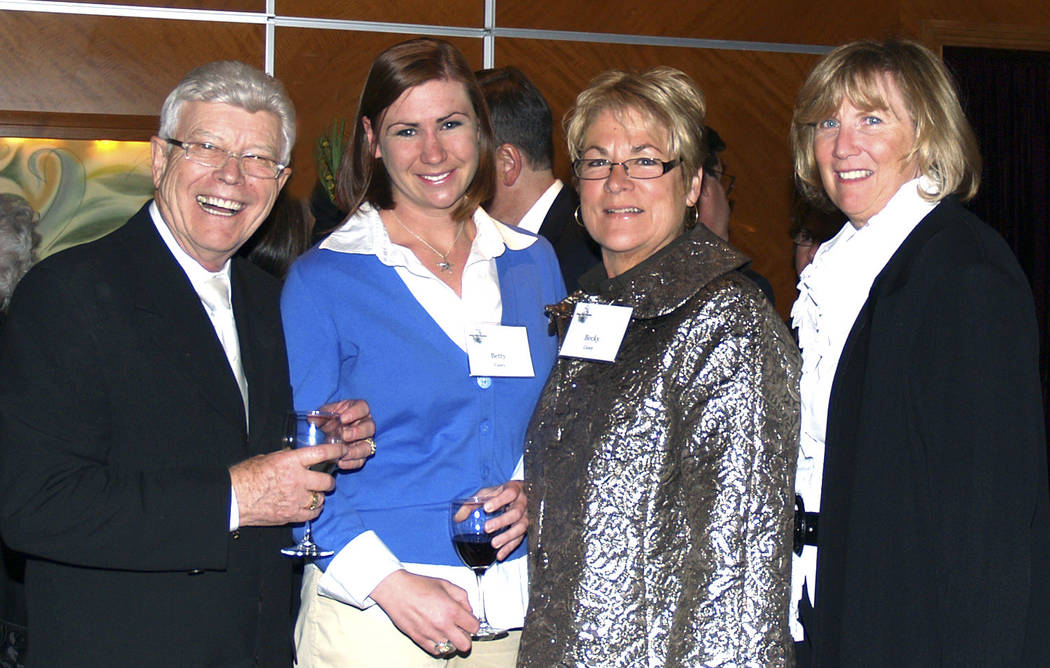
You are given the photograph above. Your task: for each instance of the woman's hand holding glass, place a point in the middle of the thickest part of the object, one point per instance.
(358, 430)
(337, 423)
(473, 528)
(430, 611)
(513, 521)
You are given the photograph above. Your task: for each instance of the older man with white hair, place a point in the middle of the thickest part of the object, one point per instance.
(143, 389)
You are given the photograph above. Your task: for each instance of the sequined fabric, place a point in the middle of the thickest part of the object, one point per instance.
(660, 500)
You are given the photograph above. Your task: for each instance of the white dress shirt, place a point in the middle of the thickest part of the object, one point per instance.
(221, 315)
(363, 563)
(832, 291)
(533, 218)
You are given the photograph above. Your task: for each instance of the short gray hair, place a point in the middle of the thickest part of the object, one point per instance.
(18, 238)
(237, 84)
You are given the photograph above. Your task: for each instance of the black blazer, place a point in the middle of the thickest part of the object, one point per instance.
(119, 416)
(575, 249)
(934, 537)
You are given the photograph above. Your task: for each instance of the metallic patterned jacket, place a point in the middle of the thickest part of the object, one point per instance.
(661, 503)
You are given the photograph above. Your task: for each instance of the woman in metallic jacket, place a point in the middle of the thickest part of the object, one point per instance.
(661, 508)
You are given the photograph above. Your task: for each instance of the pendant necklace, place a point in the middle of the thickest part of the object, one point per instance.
(444, 264)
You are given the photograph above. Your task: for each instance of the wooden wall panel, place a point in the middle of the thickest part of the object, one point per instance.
(225, 5)
(749, 97)
(994, 15)
(59, 125)
(819, 22)
(72, 72)
(103, 65)
(324, 71)
(462, 13)
(937, 34)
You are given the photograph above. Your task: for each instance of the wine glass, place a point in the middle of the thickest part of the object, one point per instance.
(466, 524)
(304, 429)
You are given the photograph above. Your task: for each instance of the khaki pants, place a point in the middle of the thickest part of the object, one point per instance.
(330, 634)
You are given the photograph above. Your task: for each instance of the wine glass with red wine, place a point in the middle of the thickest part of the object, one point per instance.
(304, 429)
(466, 524)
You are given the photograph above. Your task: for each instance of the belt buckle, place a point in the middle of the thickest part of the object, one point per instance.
(805, 526)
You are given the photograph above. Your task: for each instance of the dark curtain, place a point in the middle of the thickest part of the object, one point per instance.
(1006, 95)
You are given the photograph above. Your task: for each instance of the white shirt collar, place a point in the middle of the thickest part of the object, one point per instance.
(906, 208)
(834, 287)
(365, 234)
(481, 301)
(193, 269)
(533, 218)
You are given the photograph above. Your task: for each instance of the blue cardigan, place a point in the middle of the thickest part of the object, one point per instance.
(354, 329)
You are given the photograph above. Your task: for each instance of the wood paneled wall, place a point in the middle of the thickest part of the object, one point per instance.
(67, 69)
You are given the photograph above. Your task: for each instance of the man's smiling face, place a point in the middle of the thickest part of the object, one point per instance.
(212, 211)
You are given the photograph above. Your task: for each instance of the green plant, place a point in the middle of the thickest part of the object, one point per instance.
(329, 152)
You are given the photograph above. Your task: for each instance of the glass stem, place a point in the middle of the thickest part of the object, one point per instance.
(481, 599)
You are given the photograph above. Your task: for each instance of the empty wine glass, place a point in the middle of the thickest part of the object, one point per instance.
(466, 523)
(305, 429)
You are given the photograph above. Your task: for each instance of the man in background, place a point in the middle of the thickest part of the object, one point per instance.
(714, 206)
(811, 227)
(527, 194)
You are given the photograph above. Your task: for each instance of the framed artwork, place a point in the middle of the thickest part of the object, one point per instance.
(85, 175)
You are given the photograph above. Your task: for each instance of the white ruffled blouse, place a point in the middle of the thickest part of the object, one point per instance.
(832, 291)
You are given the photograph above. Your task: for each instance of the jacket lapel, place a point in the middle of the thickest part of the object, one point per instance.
(561, 210)
(260, 347)
(842, 437)
(172, 316)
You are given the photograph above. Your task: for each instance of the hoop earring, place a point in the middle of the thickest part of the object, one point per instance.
(696, 217)
(576, 217)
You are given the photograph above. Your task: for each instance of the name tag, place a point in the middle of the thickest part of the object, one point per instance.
(498, 350)
(596, 331)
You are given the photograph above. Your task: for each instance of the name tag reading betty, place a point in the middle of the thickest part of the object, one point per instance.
(499, 350)
(596, 331)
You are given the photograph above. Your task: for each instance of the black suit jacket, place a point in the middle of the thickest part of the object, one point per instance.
(934, 537)
(575, 249)
(119, 416)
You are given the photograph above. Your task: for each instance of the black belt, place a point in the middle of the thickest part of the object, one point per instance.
(805, 526)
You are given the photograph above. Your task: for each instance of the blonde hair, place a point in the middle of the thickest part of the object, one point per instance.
(945, 147)
(665, 97)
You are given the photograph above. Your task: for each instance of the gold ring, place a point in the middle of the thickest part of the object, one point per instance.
(372, 443)
(444, 647)
(315, 501)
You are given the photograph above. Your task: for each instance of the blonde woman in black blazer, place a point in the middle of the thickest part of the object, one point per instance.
(922, 442)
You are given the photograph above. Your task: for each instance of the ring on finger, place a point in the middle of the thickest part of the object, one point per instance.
(371, 442)
(444, 647)
(315, 501)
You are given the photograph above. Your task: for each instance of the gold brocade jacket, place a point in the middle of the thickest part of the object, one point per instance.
(661, 485)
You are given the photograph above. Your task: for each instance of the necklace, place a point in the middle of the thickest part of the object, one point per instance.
(444, 264)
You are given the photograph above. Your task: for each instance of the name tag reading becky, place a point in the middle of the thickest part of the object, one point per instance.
(596, 331)
(499, 350)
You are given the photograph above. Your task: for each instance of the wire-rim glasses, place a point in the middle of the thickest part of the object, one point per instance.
(597, 169)
(210, 155)
(727, 180)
